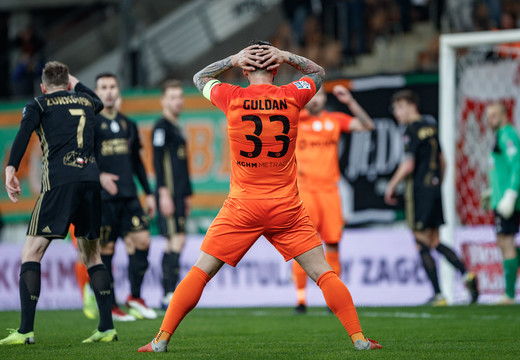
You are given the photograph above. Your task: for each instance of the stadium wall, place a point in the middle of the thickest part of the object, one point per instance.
(380, 266)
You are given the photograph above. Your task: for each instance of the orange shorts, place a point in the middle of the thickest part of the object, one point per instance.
(324, 209)
(241, 222)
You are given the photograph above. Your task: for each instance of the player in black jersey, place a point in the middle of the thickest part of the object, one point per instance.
(423, 168)
(117, 149)
(70, 192)
(173, 182)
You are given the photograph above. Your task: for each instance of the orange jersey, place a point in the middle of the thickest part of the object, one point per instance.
(317, 149)
(262, 127)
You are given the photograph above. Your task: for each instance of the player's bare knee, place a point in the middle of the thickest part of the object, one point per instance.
(90, 251)
(209, 264)
(34, 248)
(331, 247)
(422, 245)
(313, 262)
(176, 242)
(139, 240)
(422, 239)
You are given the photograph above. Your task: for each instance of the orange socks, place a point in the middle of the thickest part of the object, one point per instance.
(184, 299)
(300, 277)
(162, 335)
(358, 336)
(81, 275)
(332, 258)
(339, 300)
(300, 280)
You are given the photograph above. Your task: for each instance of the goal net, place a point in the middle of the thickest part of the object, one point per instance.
(476, 69)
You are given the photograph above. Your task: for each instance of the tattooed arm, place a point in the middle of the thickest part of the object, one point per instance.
(272, 58)
(260, 57)
(247, 59)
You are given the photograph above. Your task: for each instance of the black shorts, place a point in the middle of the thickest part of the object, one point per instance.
(175, 224)
(423, 207)
(121, 216)
(78, 203)
(507, 226)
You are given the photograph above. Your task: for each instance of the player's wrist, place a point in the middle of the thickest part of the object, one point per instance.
(234, 59)
(10, 169)
(285, 56)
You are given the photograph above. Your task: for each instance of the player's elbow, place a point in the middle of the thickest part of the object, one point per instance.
(407, 166)
(321, 72)
(196, 78)
(410, 167)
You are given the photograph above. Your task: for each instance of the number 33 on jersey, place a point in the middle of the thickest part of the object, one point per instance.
(262, 126)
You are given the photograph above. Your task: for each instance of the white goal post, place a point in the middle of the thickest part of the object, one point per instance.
(449, 44)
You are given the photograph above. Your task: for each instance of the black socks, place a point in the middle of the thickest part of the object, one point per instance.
(429, 266)
(451, 257)
(107, 261)
(171, 269)
(30, 283)
(137, 265)
(100, 283)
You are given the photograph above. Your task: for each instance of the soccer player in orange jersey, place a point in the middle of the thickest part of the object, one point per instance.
(318, 173)
(263, 199)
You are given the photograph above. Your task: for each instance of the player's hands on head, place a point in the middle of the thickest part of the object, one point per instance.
(73, 81)
(247, 59)
(108, 182)
(342, 94)
(271, 56)
(259, 56)
(12, 185)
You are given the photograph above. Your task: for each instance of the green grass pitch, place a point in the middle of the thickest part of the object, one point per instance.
(458, 332)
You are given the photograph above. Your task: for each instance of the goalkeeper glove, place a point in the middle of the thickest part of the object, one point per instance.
(485, 199)
(506, 205)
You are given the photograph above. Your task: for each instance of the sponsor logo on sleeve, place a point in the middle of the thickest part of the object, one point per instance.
(158, 137)
(302, 85)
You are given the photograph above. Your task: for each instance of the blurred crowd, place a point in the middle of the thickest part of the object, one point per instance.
(29, 61)
(335, 33)
(471, 15)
